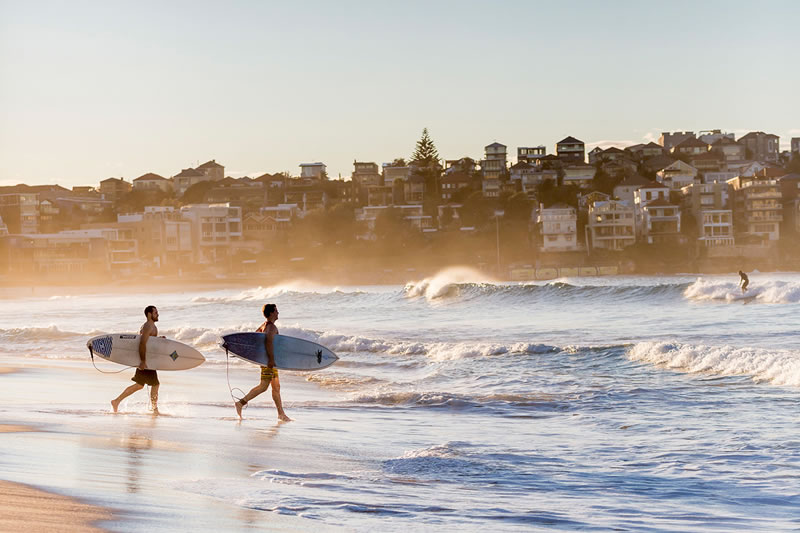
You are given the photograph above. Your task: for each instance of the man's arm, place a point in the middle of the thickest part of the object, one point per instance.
(143, 346)
(270, 350)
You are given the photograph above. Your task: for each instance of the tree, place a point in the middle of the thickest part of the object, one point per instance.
(425, 151)
(136, 200)
(196, 194)
(398, 162)
(793, 166)
(518, 207)
(603, 182)
(476, 210)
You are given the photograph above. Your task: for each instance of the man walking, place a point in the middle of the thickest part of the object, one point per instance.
(144, 376)
(269, 374)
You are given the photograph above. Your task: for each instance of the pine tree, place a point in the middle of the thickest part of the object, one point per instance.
(425, 151)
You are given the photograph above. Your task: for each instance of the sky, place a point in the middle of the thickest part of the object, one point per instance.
(103, 88)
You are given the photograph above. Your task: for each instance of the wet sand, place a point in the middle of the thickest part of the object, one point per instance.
(153, 471)
(24, 508)
(15, 428)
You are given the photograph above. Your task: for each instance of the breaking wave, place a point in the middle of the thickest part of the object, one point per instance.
(769, 292)
(39, 334)
(777, 367)
(530, 291)
(294, 288)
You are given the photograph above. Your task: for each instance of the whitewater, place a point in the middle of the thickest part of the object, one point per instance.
(641, 403)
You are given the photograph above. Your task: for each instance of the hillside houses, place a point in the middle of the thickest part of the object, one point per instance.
(707, 191)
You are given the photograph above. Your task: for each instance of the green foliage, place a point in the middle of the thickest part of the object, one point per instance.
(336, 226)
(135, 201)
(425, 150)
(518, 208)
(446, 220)
(603, 182)
(549, 194)
(392, 227)
(196, 194)
(793, 166)
(461, 195)
(476, 210)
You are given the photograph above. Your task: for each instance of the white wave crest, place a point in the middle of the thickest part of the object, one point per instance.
(437, 351)
(42, 333)
(444, 283)
(770, 292)
(778, 367)
(262, 294)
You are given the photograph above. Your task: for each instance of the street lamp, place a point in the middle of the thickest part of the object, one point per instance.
(497, 214)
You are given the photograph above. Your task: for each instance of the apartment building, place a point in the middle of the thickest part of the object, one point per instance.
(214, 228)
(19, 210)
(611, 225)
(315, 171)
(571, 150)
(710, 206)
(757, 207)
(558, 227)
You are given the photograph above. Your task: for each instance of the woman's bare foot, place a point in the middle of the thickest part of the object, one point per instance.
(238, 406)
(115, 405)
(284, 418)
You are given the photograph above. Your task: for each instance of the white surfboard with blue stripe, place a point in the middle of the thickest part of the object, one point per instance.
(162, 354)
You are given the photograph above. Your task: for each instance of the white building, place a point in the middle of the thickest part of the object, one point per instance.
(558, 227)
(214, 228)
(611, 225)
(661, 221)
(716, 227)
(186, 178)
(625, 190)
(757, 207)
(579, 174)
(677, 175)
(313, 170)
(281, 214)
(152, 182)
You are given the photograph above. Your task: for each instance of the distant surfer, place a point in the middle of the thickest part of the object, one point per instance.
(269, 374)
(744, 281)
(144, 376)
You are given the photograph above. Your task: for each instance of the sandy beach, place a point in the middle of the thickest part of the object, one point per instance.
(24, 508)
(66, 460)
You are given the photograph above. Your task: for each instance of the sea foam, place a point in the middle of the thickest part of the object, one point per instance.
(770, 292)
(778, 367)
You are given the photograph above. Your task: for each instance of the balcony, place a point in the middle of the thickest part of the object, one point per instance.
(774, 195)
(776, 217)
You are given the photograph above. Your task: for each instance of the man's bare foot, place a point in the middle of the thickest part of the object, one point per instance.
(155, 411)
(114, 405)
(238, 406)
(284, 418)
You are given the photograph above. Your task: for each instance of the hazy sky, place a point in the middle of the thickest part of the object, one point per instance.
(94, 89)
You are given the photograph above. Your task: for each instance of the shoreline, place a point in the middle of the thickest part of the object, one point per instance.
(26, 508)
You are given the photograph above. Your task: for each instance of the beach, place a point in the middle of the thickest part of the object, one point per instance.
(639, 403)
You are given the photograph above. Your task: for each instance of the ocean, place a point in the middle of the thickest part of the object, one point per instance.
(665, 403)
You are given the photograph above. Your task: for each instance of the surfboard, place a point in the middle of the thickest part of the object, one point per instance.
(291, 353)
(162, 354)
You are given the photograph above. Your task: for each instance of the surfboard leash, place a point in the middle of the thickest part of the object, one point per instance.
(91, 355)
(228, 377)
